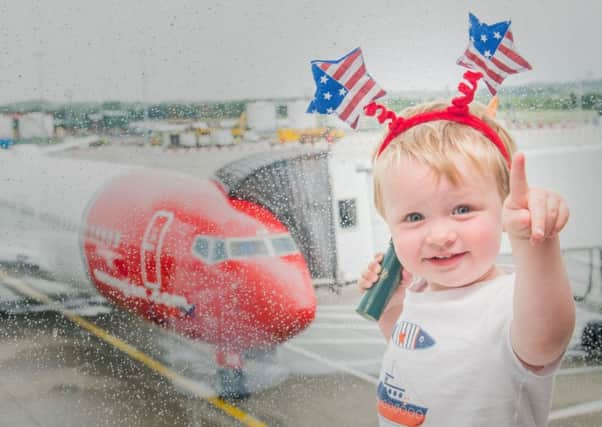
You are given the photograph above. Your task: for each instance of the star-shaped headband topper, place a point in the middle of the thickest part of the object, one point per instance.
(343, 87)
(491, 51)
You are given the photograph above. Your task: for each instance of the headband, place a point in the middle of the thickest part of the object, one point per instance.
(458, 112)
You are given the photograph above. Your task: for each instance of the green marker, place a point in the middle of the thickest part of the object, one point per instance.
(376, 298)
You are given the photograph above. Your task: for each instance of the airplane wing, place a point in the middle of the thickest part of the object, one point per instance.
(75, 142)
(21, 256)
(12, 302)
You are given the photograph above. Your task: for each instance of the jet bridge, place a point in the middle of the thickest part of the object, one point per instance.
(295, 186)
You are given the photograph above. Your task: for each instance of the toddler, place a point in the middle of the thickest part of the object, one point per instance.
(470, 343)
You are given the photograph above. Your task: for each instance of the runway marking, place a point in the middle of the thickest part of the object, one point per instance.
(578, 371)
(197, 388)
(358, 327)
(337, 366)
(364, 362)
(339, 316)
(576, 410)
(327, 307)
(339, 341)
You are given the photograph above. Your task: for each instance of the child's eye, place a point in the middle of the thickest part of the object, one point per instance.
(462, 209)
(413, 217)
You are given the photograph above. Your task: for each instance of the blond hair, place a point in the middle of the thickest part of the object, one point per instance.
(440, 144)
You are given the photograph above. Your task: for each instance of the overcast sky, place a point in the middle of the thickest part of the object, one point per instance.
(207, 50)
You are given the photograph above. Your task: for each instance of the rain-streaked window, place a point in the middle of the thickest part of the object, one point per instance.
(247, 248)
(246, 287)
(284, 245)
(347, 213)
(218, 251)
(201, 247)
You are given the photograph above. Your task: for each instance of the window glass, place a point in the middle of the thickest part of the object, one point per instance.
(201, 247)
(219, 251)
(347, 213)
(248, 248)
(283, 245)
(255, 275)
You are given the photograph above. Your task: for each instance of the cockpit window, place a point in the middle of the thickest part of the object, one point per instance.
(219, 251)
(210, 249)
(201, 247)
(284, 245)
(213, 250)
(247, 248)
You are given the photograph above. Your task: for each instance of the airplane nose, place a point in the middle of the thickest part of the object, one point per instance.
(292, 322)
(285, 301)
(289, 310)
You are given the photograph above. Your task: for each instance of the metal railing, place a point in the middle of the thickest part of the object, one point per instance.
(584, 266)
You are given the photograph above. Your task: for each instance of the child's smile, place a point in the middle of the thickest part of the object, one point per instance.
(446, 260)
(447, 234)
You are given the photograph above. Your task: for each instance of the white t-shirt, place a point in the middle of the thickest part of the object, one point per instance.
(450, 362)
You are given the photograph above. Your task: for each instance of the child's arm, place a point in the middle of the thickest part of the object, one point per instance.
(393, 309)
(544, 311)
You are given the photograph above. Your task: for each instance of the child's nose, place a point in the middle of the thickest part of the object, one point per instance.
(441, 238)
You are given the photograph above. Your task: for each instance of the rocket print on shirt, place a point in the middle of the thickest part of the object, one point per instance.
(411, 336)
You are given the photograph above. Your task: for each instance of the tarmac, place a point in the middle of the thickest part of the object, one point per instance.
(57, 373)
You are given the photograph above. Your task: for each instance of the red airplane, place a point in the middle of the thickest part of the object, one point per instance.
(171, 248)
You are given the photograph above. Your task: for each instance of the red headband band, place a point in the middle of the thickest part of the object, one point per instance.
(457, 112)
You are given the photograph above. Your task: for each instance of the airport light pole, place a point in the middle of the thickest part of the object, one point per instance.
(144, 82)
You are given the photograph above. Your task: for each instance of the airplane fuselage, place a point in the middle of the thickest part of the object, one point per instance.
(169, 247)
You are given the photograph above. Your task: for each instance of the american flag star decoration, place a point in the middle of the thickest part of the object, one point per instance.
(343, 87)
(491, 51)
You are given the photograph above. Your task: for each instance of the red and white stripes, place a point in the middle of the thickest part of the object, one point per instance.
(361, 87)
(503, 62)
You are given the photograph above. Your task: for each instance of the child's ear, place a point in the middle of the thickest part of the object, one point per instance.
(491, 111)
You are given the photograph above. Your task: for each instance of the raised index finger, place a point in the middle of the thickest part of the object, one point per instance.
(519, 188)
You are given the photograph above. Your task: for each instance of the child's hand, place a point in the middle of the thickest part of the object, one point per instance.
(370, 275)
(531, 214)
(395, 305)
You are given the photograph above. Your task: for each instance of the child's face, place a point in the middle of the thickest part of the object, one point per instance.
(449, 235)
